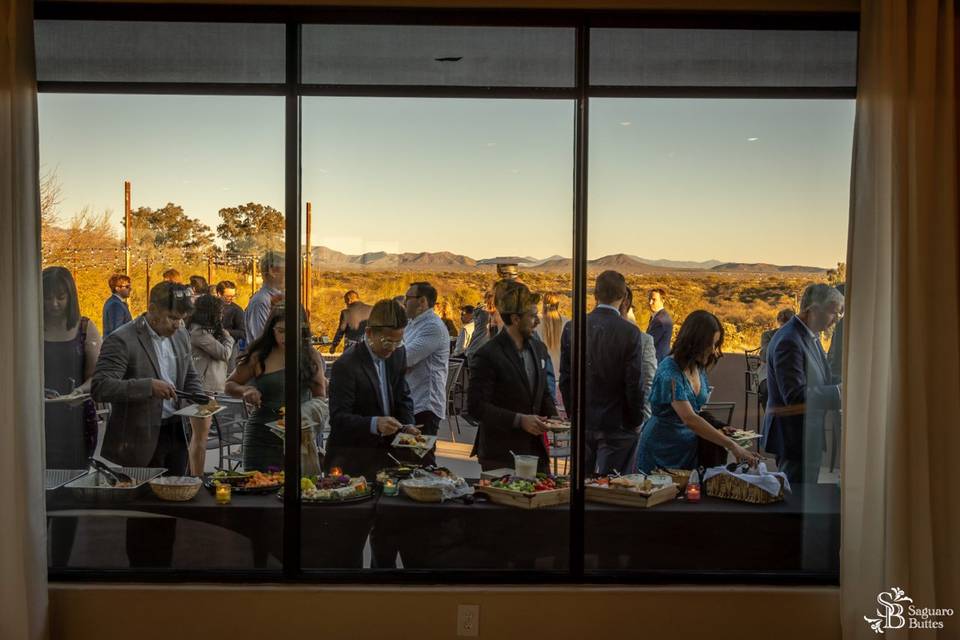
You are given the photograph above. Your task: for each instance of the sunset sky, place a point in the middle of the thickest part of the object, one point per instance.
(732, 180)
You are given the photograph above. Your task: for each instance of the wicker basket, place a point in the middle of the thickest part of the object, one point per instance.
(680, 477)
(421, 493)
(176, 488)
(732, 488)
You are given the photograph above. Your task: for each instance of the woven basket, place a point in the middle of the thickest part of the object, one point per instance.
(176, 488)
(680, 477)
(422, 494)
(732, 488)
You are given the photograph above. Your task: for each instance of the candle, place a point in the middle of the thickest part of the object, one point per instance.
(693, 493)
(223, 493)
(389, 488)
(336, 471)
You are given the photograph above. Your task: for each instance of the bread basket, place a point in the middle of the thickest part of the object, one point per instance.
(420, 492)
(176, 488)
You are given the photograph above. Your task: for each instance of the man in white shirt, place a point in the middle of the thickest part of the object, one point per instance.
(466, 332)
(427, 343)
(269, 294)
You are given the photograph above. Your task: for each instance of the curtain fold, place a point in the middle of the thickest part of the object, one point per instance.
(901, 512)
(23, 567)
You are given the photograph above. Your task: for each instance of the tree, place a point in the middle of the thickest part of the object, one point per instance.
(51, 195)
(251, 228)
(838, 275)
(170, 228)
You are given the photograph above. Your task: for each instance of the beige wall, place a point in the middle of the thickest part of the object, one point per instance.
(140, 612)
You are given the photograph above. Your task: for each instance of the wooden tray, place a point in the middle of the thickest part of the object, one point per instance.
(526, 500)
(625, 498)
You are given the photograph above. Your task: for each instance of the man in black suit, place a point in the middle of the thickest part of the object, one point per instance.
(508, 385)
(660, 326)
(369, 397)
(614, 393)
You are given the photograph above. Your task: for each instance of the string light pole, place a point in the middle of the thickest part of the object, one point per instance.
(127, 227)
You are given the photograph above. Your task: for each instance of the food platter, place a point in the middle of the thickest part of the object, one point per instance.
(56, 478)
(558, 426)
(245, 483)
(208, 410)
(419, 444)
(744, 438)
(334, 490)
(635, 490)
(544, 491)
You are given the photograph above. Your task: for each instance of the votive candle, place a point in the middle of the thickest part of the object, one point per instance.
(222, 493)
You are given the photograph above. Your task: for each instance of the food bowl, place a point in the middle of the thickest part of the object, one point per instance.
(420, 492)
(680, 477)
(176, 488)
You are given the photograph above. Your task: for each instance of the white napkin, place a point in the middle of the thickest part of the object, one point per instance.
(760, 477)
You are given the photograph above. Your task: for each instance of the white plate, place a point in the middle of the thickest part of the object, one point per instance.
(558, 426)
(431, 441)
(78, 397)
(191, 410)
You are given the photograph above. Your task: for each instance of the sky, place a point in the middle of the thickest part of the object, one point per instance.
(685, 179)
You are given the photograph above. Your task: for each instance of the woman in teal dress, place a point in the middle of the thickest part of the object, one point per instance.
(679, 391)
(259, 380)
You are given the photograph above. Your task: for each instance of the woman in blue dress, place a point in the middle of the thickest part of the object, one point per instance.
(679, 391)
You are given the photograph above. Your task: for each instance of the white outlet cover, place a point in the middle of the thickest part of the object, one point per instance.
(468, 620)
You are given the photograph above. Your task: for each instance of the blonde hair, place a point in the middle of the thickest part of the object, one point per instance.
(552, 322)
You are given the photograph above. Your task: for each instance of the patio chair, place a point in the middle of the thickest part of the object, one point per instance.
(751, 384)
(455, 367)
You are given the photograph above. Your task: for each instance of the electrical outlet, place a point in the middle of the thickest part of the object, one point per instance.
(468, 620)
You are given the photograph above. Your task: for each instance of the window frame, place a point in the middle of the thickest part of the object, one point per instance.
(292, 90)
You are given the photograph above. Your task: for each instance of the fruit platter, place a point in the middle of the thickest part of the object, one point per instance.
(544, 490)
(335, 489)
(633, 490)
(245, 482)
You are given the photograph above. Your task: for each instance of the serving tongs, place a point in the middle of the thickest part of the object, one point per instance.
(113, 477)
(196, 398)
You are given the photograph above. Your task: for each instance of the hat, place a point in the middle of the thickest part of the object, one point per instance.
(514, 297)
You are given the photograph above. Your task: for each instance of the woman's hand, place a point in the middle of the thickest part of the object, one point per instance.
(742, 455)
(251, 395)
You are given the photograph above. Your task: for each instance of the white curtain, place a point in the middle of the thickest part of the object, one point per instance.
(23, 567)
(901, 506)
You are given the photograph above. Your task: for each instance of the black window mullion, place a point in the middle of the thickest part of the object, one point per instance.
(291, 487)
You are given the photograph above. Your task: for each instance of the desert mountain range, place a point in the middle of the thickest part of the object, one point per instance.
(325, 258)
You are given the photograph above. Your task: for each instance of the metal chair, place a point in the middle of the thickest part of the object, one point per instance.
(227, 428)
(453, 412)
(722, 411)
(751, 384)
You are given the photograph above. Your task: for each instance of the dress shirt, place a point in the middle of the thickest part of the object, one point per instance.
(167, 359)
(463, 340)
(258, 311)
(381, 367)
(427, 343)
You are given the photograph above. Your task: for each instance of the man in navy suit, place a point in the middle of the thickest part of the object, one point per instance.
(116, 313)
(800, 385)
(614, 393)
(660, 326)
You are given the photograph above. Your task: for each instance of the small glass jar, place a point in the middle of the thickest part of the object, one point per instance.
(222, 493)
(390, 488)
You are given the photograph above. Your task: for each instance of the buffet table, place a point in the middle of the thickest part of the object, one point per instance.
(800, 534)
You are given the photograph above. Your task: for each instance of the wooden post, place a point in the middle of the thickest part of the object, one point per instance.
(147, 297)
(253, 275)
(128, 231)
(307, 268)
(209, 270)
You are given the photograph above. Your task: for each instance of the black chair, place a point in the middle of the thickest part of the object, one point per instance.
(722, 411)
(751, 384)
(454, 370)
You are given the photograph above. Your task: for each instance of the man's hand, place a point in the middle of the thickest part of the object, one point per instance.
(251, 395)
(534, 425)
(388, 425)
(412, 430)
(163, 390)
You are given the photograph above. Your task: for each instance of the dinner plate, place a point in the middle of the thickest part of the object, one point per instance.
(430, 442)
(191, 410)
(243, 491)
(76, 397)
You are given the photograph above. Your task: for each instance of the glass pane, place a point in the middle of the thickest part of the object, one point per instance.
(204, 187)
(115, 51)
(441, 56)
(722, 58)
(408, 191)
(718, 214)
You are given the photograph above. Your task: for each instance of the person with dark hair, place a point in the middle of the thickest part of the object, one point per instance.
(680, 389)
(648, 367)
(272, 270)
(369, 397)
(259, 381)
(427, 344)
(232, 319)
(142, 367)
(483, 321)
(116, 313)
(508, 385)
(212, 348)
(444, 311)
(71, 345)
(172, 275)
(353, 321)
(801, 387)
(660, 326)
(199, 285)
(466, 330)
(614, 397)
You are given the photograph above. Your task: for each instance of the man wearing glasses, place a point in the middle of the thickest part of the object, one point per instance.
(369, 397)
(508, 385)
(116, 313)
(800, 385)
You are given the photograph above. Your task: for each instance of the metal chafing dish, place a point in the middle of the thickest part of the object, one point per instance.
(94, 486)
(56, 478)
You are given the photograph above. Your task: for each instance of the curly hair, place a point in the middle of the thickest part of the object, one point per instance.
(208, 314)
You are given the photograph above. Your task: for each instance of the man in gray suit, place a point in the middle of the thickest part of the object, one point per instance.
(648, 367)
(141, 366)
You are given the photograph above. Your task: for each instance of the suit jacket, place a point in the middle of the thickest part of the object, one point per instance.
(800, 392)
(354, 400)
(211, 358)
(353, 320)
(647, 371)
(614, 368)
(660, 329)
(116, 313)
(125, 370)
(498, 392)
(233, 321)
